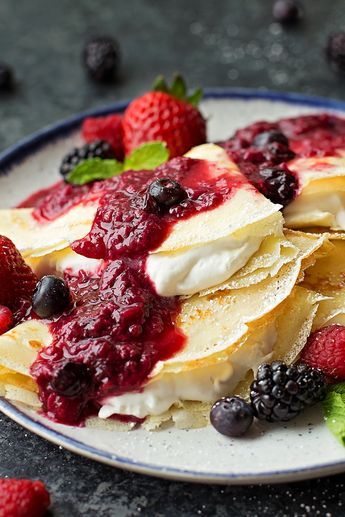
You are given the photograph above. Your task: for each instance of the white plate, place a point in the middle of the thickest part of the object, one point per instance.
(301, 449)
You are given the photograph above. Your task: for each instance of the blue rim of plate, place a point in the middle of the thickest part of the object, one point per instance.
(15, 154)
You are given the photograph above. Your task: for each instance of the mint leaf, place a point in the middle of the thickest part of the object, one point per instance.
(334, 410)
(148, 156)
(94, 169)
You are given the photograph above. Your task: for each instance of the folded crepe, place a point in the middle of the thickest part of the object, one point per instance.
(200, 252)
(228, 334)
(321, 197)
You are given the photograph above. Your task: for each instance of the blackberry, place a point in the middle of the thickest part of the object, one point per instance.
(279, 185)
(96, 149)
(287, 11)
(281, 392)
(336, 50)
(101, 58)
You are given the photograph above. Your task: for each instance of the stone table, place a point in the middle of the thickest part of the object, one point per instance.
(220, 43)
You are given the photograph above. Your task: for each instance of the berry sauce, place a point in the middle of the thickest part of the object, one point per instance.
(268, 145)
(118, 326)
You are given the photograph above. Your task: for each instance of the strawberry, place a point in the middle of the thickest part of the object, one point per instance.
(166, 114)
(325, 349)
(17, 280)
(23, 498)
(107, 128)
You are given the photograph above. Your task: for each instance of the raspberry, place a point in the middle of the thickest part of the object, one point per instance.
(17, 280)
(6, 319)
(23, 498)
(325, 350)
(107, 128)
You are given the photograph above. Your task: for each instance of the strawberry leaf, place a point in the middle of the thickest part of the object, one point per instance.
(160, 84)
(94, 169)
(147, 156)
(195, 97)
(178, 88)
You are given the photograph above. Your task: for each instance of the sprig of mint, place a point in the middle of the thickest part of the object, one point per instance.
(334, 411)
(178, 89)
(148, 156)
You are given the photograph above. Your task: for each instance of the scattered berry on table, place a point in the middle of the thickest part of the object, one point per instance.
(51, 296)
(6, 319)
(101, 58)
(166, 193)
(287, 11)
(231, 416)
(325, 349)
(72, 379)
(279, 185)
(108, 129)
(17, 280)
(167, 115)
(96, 149)
(6, 77)
(281, 392)
(335, 50)
(23, 498)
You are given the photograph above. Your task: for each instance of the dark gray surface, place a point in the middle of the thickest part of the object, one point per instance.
(219, 43)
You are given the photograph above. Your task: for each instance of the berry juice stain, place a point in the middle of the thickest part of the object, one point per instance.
(119, 327)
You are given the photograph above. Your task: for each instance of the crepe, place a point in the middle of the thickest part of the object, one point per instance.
(321, 197)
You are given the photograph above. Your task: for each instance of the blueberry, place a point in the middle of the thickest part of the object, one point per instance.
(101, 58)
(231, 416)
(51, 296)
(6, 77)
(72, 379)
(336, 50)
(279, 185)
(267, 137)
(166, 193)
(287, 11)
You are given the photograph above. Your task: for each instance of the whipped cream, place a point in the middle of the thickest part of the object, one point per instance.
(317, 209)
(63, 261)
(191, 270)
(204, 384)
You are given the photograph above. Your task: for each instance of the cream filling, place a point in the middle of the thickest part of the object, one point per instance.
(66, 260)
(204, 384)
(317, 209)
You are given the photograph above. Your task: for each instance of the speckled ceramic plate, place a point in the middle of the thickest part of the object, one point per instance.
(270, 453)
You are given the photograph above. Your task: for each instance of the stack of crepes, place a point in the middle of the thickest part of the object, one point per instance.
(251, 291)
